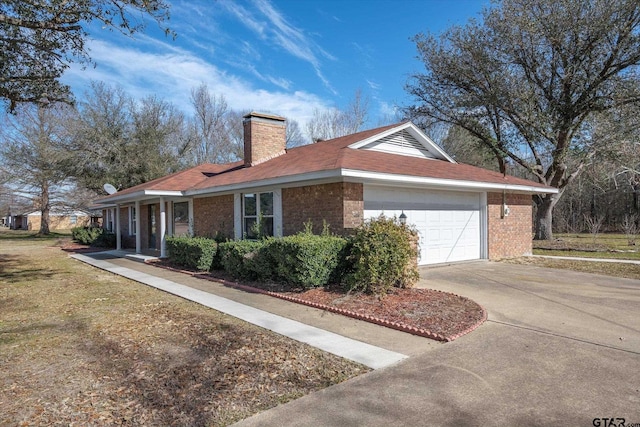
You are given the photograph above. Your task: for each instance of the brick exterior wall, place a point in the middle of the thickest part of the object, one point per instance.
(264, 138)
(213, 215)
(128, 240)
(340, 204)
(510, 236)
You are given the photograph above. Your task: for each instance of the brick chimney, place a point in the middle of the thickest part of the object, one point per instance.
(264, 138)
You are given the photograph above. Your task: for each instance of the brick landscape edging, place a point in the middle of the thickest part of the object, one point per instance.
(371, 319)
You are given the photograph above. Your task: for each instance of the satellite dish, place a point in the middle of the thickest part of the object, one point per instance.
(110, 189)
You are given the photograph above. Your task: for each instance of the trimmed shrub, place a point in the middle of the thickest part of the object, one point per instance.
(192, 252)
(383, 255)
(245, 259)
(306, 260)
(106, 239)
(94, 236)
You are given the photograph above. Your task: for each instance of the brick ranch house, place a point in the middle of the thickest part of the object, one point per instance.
(59, 219)
(461, 212)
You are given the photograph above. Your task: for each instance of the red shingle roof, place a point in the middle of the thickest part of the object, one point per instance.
(328, 155)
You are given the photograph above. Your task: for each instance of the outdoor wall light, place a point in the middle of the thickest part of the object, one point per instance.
(403, 218)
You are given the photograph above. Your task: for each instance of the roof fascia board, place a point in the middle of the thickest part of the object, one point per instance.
(415, 132)
(138, 195)
(443, 183)
(280, 181)
(163, 193)
(320, 176)
(377, 136)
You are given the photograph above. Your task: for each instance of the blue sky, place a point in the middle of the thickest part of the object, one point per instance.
(279, 56)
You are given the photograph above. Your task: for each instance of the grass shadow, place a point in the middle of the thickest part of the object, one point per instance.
(28, 275)
(8, 234)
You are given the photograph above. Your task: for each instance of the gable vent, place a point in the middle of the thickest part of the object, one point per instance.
(401, 142)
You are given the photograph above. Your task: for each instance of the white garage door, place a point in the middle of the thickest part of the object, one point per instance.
(448, 222)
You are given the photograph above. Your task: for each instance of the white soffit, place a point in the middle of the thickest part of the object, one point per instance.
(406, 140)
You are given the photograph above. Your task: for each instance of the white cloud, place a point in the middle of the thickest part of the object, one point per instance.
(373, 85)
(389, 112)
(172, 72)
(281, 82)
(276, 29)
(246, 17)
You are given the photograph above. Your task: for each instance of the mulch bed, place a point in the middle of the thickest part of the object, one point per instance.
(438, 315)
(429, 313)
(426, 312)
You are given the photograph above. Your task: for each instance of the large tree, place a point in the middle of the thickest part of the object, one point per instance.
(32, 152)
(334, 122)
(123, 142)
(466, 148)
(39, 39)
(213, 133)
(528, 79)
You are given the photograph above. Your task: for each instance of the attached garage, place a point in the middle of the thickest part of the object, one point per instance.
(451, 224)
(460, 211)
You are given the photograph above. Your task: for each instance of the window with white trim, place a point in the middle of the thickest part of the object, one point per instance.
(181, 219)
(73, 219)
(257, 215)
(109, 221)
(132, 220)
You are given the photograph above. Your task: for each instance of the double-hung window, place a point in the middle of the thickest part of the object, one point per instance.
(181, 219)
(257, 215)
(132, 220)
(109, 220)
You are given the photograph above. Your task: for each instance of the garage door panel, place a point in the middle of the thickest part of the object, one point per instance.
(444, 236)
(448, 223)
(386, 198)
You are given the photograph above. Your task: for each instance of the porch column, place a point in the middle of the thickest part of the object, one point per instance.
(163, 228)
(138, 228)
(169, 218)
(118, 233)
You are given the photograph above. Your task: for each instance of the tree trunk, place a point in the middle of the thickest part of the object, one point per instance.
(44, 209)
(544, 216)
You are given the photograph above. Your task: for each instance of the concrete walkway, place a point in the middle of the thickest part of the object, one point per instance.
(358, 351)
(559, 348)
(574, 258)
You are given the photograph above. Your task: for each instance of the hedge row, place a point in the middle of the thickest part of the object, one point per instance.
(303, 260)
(197, 253)
(94, 236)
(381, 254)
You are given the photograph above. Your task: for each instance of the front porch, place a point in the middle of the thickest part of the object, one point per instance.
(142, 226)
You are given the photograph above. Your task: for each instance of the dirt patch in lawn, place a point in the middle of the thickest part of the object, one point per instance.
(79, 346)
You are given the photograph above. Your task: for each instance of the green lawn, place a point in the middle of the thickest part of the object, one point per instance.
(7, 234)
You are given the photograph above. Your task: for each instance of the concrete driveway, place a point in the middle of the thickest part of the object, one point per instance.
(559, 348)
